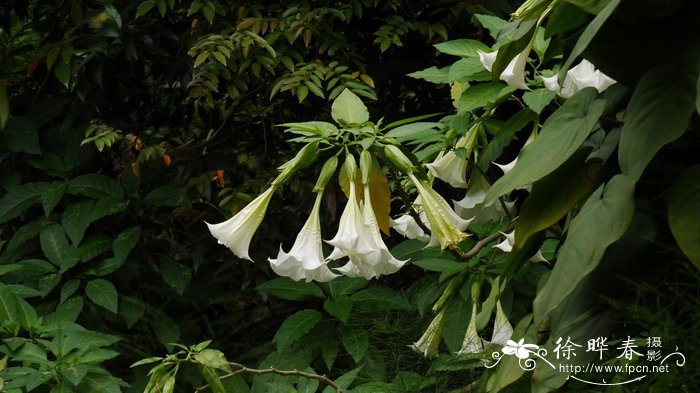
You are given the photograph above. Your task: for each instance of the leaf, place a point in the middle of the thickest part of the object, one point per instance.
(684, 213)
(432, 74)
(167, 330)
(164, 196)
(591, 6)
(92, 247)
(213, 380)
(20, 135)
(553, 196)
(8, 306)
(69, 289)
(482, 95)
(94, 185)
(344, 380)
(294, 327)
(131, 309)
(144, 7)
(380, 299)
(538, 99)
(492, 23)
(19, 198)
(349, 109)
(175, 274)
(106, 207)
(464, 69)
(462, 47)
(658, 113)
(586, 37)
(102, 293)
(125, 242)
(55, 246)
(602, 220)
(4, 107)
(339, 307)
(27, 232)
(355, 341)
(411, 131)
(76, 219)
(288, 289)
(52, 196)
(560, 137)
(343, 285)
(213, 358)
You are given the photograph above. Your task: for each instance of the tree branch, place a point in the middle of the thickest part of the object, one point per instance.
(482, 243)
(272, 370)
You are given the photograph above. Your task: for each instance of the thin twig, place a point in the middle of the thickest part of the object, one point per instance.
(272, 370)
(482, 243)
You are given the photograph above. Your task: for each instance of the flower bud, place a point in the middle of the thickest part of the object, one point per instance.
(396, 156)
(365, 166)
(326, 173)
(305, 157)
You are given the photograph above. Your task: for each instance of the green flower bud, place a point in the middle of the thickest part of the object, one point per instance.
(326, 173)
(305, 157)
(396, 156)
(365, 166)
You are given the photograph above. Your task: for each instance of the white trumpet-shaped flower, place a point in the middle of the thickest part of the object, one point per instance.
(370, 257)
(450, 168)
(579, 77)
(305, 259)
(349, 227)
(445, 225)
(407, 226)
(502, 329)
(507, 246)
(472, 205)
(430, 340)
(472, 343)
(236, 232)
(514, 73)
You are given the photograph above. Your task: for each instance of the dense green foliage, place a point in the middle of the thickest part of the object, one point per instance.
(127, 124)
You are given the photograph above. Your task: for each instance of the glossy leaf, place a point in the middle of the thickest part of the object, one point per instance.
(296, 326)
(684, 213)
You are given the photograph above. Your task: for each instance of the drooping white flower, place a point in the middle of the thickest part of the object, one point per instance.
(514, 73)
(236, 232)
(507, 246)
(430, 340)
(502, 329)
(305, 260)
(450, 168)
(370, 257)
(472, 205)
(507, 167)
(445, 225)
(407, 226)
(472, 343)
(349, 227)
(581, 76)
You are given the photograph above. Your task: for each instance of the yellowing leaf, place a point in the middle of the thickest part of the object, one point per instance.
(381, 197)
(368, 80)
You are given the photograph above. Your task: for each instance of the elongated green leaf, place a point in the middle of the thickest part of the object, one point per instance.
(462, 47)
(355, 341)
(289, 289)
(602, 220)
(54, 244)
(684, 213)
(349, 109)
(125, 242)
(19, 198)
(587, 36)
(345, 380)
(96, 186)
(554, 196)
(464, 69)
(492, 23)
(103, 293)
(658, 113)
(76, 219)
(482, 95)
(411, 131)
(296, 326)
(8, 306)
(432, 74)
(212, 377)
(52, 196)
(561, 136)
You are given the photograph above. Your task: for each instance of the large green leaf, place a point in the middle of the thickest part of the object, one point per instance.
(432, 74)
(658, 113)
(355, 341)
(54, 244)
(96, 186)
(213, 358)
(19, 198)
(76, 219)
(482, 95)
(52, 196)
(339, 307)
(684, 213)
(125, 242)
(602, 220)
(103, 293)
(462, 47)
(462, 70)
(289, 289)
(561, 136)
(20, 135)
(349, 109)
(8, 306)
(296, 326)
(553, 196)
